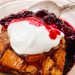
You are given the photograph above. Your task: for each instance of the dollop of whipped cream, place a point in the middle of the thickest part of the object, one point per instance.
(32, 37)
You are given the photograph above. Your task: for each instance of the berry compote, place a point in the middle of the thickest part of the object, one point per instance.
(50, 19)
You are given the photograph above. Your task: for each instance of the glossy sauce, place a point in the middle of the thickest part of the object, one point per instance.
(53, 32)
(50, 20)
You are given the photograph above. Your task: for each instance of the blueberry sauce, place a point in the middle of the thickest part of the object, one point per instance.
(53, 32)
(20, 15)
(69, 32)
(51, 20)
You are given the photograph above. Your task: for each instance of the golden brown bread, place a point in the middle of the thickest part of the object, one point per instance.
(55, 66)
(32, 69)
(55, 71)
(59, 58)
(35, 58)
(10, 59)
(47, 65)
(41, 64)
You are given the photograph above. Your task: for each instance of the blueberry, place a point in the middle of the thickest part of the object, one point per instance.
(66, 29)
(12, 16)
(49, 19)
(2, 21)
(28, 13)
(24, 14)
(8, 19)
(42, 13)
(58, 21)
(52, 15)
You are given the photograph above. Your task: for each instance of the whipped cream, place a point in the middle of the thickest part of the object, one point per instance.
(26, 38)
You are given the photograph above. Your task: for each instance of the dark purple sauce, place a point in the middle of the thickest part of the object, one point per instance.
(70, 50)
(50, 19)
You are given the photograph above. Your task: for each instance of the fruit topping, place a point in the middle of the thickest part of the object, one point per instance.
(22, 14)
(49, 19)
(42, 13)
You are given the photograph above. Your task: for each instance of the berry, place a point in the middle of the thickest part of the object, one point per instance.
(66, 29)
(57, 21)
(49, 19)
(24, 14)
(2, 21)
(41, 13)
(8, 19)
(12, 16)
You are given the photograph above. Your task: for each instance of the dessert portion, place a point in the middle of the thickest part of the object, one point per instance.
(33, 43)
(32, 36)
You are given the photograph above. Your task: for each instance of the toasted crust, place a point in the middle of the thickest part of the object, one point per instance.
(11, 60)
(1, 47)
(55, 71)
(32, 69)
(35, 58)
(59, 58)
(47, 65)
(4, 37)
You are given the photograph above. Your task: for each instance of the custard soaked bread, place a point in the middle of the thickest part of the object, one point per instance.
(40, 51)
(43, 64)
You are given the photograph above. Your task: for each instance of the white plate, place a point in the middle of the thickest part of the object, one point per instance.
(54, 6)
